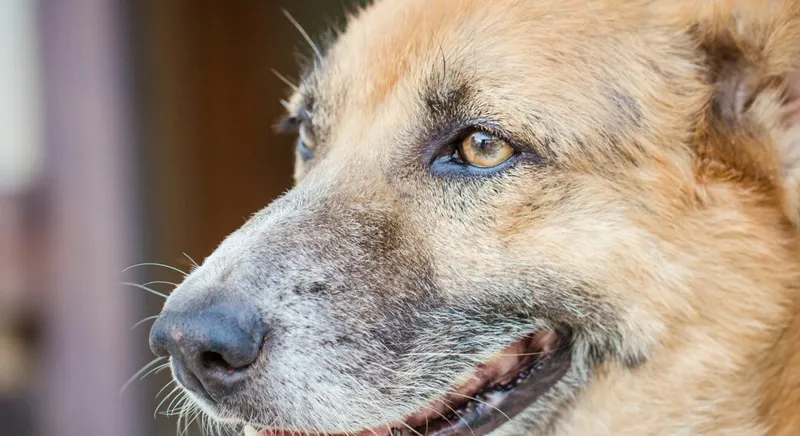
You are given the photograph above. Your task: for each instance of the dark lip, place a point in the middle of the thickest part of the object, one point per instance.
(189, 382)
(478, 418)
(490, 408)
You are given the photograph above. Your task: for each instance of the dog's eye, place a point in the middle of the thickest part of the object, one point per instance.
(307, 141)
(484, 150)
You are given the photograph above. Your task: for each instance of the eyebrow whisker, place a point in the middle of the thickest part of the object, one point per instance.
(285, 80)
(304, 34)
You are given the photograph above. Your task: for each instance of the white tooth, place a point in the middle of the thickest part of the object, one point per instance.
(250, 431)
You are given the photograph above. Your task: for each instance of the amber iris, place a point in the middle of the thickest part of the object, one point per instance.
(484, 150)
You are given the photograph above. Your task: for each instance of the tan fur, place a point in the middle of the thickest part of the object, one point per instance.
(722, 320)
(657, 219)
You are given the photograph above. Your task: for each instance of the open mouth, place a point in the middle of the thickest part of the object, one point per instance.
(499, 389)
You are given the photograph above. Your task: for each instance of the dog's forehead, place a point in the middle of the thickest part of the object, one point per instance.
(560, 69)
(392, 44)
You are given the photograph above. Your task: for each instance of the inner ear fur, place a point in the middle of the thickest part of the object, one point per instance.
(751, 51)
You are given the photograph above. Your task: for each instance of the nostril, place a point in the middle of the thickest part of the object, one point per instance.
(211, 347)
(215, 362)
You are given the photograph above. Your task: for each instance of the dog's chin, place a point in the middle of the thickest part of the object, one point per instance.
(499, 389)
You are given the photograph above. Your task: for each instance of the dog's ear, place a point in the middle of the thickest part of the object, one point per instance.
(751, 52)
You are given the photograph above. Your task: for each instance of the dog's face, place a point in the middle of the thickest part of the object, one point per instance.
(499, 208)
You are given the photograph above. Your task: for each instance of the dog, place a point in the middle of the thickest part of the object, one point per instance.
(519, 217)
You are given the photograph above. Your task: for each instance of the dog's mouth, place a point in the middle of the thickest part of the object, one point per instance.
(499, 389)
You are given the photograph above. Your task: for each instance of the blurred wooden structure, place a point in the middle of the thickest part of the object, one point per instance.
(208, 101)
(89, 201)
(157, 138)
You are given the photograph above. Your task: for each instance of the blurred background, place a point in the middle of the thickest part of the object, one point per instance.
(131, 132)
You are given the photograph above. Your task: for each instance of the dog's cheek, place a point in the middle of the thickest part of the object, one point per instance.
(569, 234)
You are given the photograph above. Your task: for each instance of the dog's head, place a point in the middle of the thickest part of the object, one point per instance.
(507, 211)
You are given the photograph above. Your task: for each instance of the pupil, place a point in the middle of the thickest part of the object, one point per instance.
(482, 142)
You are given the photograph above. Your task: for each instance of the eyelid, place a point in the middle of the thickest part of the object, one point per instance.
(447, 142)
(288, 124)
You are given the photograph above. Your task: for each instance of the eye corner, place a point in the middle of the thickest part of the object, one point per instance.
(290, 122)
(300, 125)
(287, 125)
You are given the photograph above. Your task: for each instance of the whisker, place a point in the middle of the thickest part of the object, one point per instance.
(165, 387)
(144, 288)
(305, 35)
(459, 417)
(411, 428)
(175, 406)
(205, 426)
(479, 354)
(445, 405)
(139, 372)
(153, 264)
(187, 409)
(285, 105)
(537, 353)
(181, 417)
(198, 420)
(196, 265)
(149, 318)
(214, 428)
(161, 282)
(438, 413)
(171, 393)
(508, 418)
(156, 370)
(482, 402)
(196, 412)
(181, 414)
(285, 80)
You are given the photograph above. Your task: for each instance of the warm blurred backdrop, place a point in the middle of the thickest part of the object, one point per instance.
(130, 132)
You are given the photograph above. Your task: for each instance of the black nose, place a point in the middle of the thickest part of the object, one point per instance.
(211, 346)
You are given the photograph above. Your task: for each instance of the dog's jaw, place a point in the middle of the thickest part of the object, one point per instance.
(492, 395)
